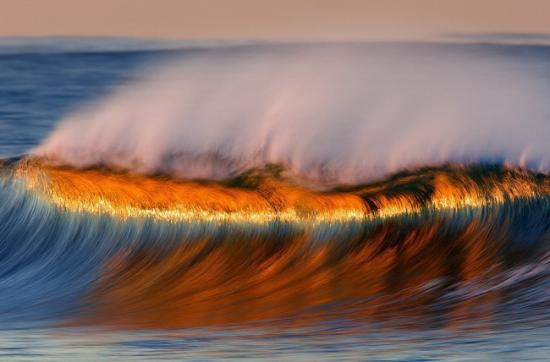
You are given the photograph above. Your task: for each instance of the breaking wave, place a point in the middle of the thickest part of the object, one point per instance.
(289, 184)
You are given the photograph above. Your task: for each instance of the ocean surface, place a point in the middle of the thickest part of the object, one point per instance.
(127, 233)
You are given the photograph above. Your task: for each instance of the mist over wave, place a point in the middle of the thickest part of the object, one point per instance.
(340, 113)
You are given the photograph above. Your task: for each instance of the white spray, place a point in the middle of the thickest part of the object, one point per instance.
(342, 113)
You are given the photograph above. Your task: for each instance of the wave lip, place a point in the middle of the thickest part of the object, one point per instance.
(268, 197)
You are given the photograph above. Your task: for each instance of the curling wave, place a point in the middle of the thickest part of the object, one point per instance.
(102, 247)
(290, 184)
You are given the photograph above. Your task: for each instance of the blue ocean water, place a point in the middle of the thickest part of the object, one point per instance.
(40, 84)
(37, 89)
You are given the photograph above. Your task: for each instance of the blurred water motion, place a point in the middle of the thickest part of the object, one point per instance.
(449, 261)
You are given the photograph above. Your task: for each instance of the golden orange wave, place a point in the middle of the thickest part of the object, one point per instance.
(242, 277)
(271, 200)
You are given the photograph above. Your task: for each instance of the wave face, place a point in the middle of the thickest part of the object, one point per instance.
(437, 245)
(334, 113)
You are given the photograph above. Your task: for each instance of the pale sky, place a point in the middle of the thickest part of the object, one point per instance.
(272, 19)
